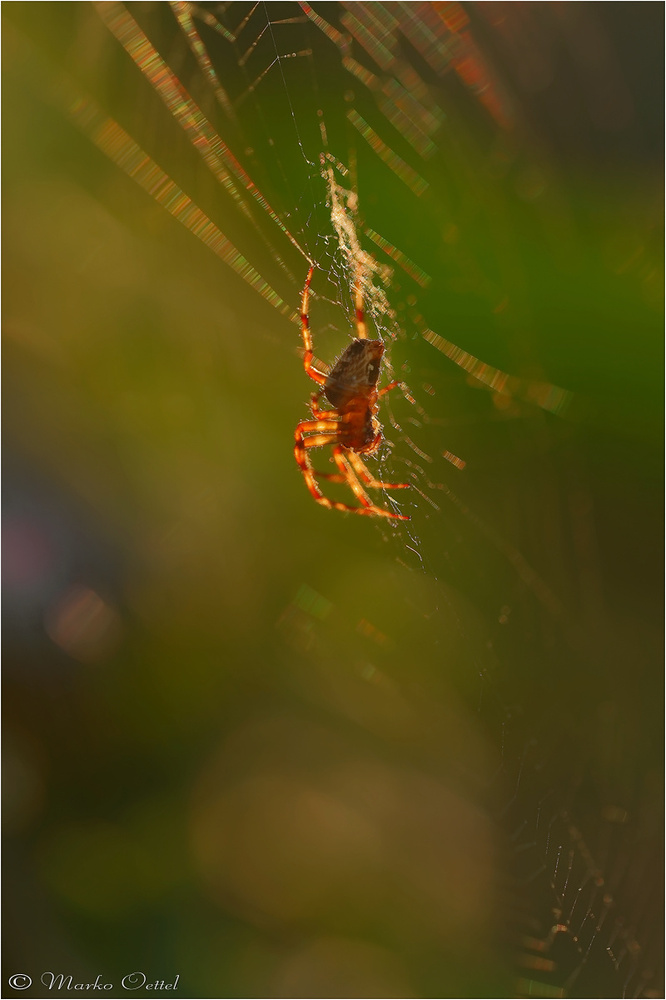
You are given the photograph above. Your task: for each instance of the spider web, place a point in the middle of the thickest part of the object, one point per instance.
(382, 137)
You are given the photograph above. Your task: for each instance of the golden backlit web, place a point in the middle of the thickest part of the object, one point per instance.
(402, 98)
(297, 112)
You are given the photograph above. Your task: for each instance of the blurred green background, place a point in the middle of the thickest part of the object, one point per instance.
(268, 748)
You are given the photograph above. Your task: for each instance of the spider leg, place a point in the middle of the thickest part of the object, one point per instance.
(340, 459)
(395, 385)
(301, 455)
(319, 440)
(301, 448)
(326, 427)
(345, 460)
(320, 414)
(361, 329)
(331, 477)
(364, 473)
(310, 369)
(387, 388)
(327, 435)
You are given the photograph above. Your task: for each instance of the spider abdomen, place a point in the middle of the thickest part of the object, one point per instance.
(355, 374)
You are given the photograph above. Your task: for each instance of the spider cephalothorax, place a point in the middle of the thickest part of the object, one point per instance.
(352, 427)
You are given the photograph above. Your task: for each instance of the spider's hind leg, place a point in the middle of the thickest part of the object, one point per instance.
(308, 355)
(359, 306)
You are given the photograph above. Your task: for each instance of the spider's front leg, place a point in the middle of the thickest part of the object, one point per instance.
(331, 477)
(324, 432)
(363, 472)
(349, 464)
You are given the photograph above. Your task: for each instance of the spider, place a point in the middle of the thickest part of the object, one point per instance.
(351, 427)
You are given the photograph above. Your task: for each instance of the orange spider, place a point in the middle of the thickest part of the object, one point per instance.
(352, 426)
